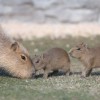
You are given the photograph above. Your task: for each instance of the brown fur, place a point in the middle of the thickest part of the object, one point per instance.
(52, 60)
(90, 57)
(14, 58)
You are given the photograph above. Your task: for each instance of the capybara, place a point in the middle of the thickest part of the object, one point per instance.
(90, 57)
(52, 60)
(14, 58)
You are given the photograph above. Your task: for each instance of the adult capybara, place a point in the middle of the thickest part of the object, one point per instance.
(14, 58)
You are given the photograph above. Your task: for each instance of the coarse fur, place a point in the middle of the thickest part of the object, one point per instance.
(14, 58)
(52, 60)
(90, 57)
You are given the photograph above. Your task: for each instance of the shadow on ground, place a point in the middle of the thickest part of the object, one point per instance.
(62, 74)
(4, 73)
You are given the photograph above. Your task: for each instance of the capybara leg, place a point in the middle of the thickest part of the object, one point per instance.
(67, 71)
(86, 72)
(45, 76)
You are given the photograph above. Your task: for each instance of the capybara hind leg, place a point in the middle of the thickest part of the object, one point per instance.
(45, 76)
(86, 72)
(66, 71)
(89, 72)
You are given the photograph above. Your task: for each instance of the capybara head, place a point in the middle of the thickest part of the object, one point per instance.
(78, 50)
(17, 61)
(39, 62)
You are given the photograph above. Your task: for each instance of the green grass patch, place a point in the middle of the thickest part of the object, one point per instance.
(57, 87)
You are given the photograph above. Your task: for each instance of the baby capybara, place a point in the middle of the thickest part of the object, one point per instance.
(52, 60)
(90, 57)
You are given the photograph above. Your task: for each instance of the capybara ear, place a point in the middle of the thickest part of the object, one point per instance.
(14, 46)
(35, 55)
(43, 56)
(84, 45)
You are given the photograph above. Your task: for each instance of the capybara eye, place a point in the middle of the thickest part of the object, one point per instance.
(23, 57)
(37, 61)
(79, 49)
